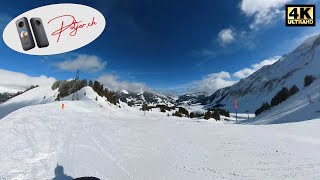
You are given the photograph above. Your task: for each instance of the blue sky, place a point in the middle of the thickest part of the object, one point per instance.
(193, 45)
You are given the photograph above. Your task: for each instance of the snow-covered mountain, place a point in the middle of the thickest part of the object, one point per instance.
(250, 92)
(192, 98)
(262, 85)
(92, 137)
(146, 97)
(153, 98)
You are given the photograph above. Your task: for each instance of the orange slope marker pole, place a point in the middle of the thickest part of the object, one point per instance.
(62, 106)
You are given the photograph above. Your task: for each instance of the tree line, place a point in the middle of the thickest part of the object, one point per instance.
(67, 88)
(284, 94)
(6, 96)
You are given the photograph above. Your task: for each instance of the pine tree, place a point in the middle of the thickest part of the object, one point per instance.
(227, 114)
(293, 90)
(90, 83)
(55, 85)
(207, 115)
(216, 115)
(309, 80)
(96, 98)
(96, 86)
(265, 106)
(178, 114)
(144, 107)
(281, 96)
(130, 103)
(58, 97)
(192, 115)
(223, 112)
(183, 111)
(101, 90)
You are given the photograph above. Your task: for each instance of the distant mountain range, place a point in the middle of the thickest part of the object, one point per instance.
(146, 97)
(250, 92)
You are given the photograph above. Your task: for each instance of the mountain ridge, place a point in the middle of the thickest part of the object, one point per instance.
(263, 84)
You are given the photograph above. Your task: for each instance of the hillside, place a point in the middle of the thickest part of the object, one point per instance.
(296, 108)
(262, 85)
(44, 95)
(39, 95)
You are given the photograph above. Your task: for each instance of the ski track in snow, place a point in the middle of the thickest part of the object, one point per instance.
(125, 144)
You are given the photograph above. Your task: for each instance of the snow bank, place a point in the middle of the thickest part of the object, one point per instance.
(43, 95)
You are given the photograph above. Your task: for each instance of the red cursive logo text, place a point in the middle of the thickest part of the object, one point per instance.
(69, 22)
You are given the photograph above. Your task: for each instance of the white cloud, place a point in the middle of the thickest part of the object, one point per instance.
(243, 73)
(211, 83)
(13, 81)
(87, 63)
(112, 82)
(226, 36)
(215, 81)
(264, 11)
(208, 53)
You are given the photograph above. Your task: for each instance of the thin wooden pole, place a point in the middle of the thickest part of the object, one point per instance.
(236, 115)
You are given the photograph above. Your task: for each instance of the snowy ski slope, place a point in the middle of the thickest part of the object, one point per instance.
(120, 143)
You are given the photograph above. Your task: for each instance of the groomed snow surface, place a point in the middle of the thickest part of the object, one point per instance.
(91, 139)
